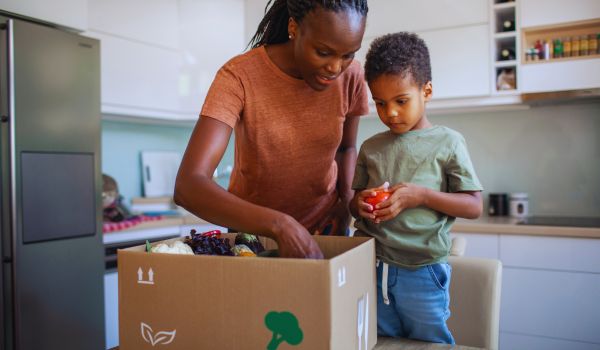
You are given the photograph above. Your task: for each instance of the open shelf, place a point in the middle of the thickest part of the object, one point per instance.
(566, 35)
(504, 48)
(505, 19)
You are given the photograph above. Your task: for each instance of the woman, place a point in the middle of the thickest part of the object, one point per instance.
(294, 102)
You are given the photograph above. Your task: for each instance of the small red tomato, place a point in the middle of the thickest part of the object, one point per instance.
(379, 197)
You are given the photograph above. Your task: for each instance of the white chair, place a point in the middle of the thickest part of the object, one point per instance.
(475, 301)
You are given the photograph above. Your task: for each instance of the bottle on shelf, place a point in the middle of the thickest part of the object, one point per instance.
(547, 49)
(508, 25)
(575, 46)
(539, 48)
(558, 48)
(567, 47)
(583, 45)
(506, 54)
(598, 41)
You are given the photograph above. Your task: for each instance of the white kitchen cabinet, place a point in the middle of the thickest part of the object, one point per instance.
(160, 57)
(139, 79)
(550, 287)
(459, 61)
(111, 308)
(152, 22)
(511, 341)
(211, 33)
(389, 16)
(68, 13)
(577, 74)
(480, 245)
(550, 304)
(552, 253)
(550, 12)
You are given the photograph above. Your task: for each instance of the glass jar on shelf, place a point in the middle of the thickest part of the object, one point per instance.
(583, 45)
(575, 45)
(567, 47)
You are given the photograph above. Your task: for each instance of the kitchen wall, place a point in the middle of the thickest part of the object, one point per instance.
(122, 143)
(551, 152)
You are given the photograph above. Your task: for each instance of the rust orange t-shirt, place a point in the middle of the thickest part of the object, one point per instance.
(286, 133)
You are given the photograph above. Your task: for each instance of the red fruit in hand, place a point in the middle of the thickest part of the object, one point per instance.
(379, 197)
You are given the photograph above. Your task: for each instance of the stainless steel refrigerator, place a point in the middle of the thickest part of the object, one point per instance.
(51, 243)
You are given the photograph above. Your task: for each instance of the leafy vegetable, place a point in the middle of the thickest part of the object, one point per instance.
(251, 241)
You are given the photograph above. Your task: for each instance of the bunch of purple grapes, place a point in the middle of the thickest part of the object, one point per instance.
(209, 243)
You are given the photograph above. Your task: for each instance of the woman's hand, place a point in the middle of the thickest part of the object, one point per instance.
(337, 220)
(294, 241)
(404, 196)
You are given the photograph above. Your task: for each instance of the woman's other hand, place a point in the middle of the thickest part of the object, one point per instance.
(294, 241)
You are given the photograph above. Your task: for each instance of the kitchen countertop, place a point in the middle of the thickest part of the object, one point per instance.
(508, 225)
(485, 224)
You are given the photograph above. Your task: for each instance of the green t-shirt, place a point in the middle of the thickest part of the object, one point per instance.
(436, 158)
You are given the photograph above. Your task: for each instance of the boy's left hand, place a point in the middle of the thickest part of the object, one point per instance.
(404, 196)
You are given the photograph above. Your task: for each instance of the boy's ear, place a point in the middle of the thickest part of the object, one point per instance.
(428, 90)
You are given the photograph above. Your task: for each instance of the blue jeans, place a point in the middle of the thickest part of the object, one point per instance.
(417, 303)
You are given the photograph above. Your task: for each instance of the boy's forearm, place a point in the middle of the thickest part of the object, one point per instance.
(466, 205)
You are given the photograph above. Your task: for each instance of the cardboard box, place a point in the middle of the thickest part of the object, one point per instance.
(213, 302)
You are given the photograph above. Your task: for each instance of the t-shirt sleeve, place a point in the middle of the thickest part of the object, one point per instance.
(225, 98)
(359, 100)
(460, 171)
(361, 176)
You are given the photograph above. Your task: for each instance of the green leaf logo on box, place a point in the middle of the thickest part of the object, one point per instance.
(285, 327)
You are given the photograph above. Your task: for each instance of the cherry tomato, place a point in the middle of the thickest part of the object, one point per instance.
(379, 197)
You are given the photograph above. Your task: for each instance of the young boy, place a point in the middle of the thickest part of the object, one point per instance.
(433, 182)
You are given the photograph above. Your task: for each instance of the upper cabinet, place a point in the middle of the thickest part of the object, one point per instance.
(158, 62)
(550, 12)
(458, 37)
(559, 50)
(211, 33)
(388, 16)
(459, 61)
(150, 22)
(66, 13)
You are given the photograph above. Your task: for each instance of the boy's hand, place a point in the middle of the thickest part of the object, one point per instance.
(404, 196)
(365, 209)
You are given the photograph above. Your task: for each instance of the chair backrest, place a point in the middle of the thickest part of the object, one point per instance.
(475, 301)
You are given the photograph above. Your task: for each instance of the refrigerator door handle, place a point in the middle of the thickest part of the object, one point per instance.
(10, 50)
(11, 130)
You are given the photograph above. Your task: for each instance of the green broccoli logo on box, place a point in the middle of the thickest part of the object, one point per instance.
(284, 326)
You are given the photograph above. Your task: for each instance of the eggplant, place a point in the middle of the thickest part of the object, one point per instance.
(251, 241)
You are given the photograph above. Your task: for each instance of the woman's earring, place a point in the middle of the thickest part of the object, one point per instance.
(290, 36)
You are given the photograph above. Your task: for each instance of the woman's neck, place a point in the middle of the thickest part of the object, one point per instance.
(282, 55)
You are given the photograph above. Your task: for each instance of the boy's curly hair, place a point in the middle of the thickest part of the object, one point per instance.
(399, 53)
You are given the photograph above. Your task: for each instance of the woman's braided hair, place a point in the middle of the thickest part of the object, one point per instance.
(273, 29)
